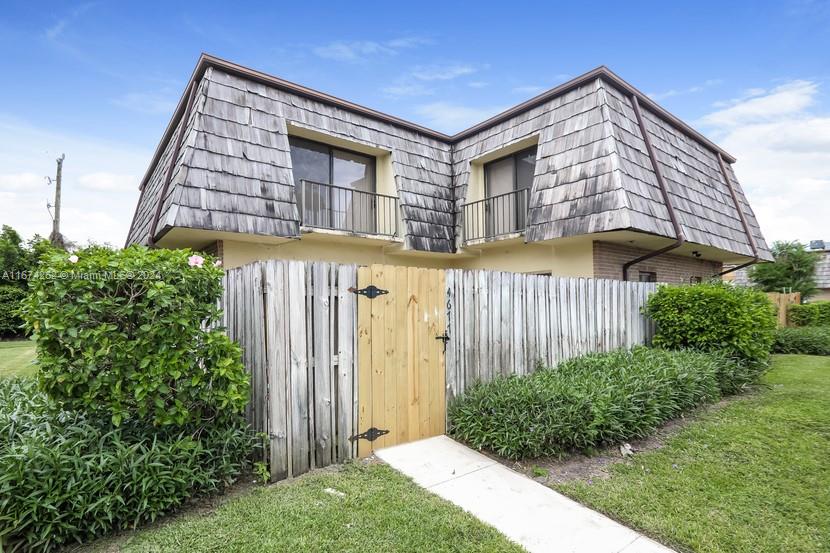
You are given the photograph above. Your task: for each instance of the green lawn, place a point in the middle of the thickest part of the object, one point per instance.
(753, 476)
(16, 358)
(381, 511)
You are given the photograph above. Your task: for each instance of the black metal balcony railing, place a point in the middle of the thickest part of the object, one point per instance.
(496, 216)
(337, 208)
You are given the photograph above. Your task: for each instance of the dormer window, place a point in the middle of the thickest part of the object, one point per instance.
(514, 172)
(336, 189)
(324, 164)
(503, 211)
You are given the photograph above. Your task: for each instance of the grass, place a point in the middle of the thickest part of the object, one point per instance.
(16, 358)
(380, 511)
(753, 476)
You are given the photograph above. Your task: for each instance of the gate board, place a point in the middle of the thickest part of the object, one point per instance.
(401, 383)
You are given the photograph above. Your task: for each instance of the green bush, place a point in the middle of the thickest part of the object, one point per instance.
(809, 314)
(67, 477)
(131, 334)
(592, 400)
(805, 340)
(11, 298)
(714, 317)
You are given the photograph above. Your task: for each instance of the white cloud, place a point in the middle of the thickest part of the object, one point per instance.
(56, 30)
(100, 187)
(529, 89)
(783, 151)
(412, 83)
(151, 103)
(408, 42)
(20, 181)
(357, 50)
(408, 89)
(108, 182)
(441, 72)
(789, 99)
(450, 117)
(683, 91)
(363, 50)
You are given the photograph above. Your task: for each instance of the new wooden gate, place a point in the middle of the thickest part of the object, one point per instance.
(401, 319)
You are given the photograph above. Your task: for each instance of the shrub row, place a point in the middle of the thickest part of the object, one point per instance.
(592, 400)
(714, 317)
(809, 314)
(65, 476)
(805, 340)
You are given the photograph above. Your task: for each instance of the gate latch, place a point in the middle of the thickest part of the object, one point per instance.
(371, 435)
(370, 291)
(444, 338)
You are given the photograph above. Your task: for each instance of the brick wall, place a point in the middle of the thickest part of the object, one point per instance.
(610, 257)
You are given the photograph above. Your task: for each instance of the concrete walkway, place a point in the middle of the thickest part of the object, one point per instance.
(525, 511)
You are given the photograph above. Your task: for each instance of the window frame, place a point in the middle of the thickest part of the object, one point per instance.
(330, 150)
(514, 156)
(651, 276)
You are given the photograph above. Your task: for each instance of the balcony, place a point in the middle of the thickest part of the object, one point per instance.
(496, 217)
(325, 206)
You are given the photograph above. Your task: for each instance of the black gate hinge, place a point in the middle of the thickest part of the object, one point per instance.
(370, 291)
(371, 435)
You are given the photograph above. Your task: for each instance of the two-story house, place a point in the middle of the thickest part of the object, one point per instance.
(591, 178)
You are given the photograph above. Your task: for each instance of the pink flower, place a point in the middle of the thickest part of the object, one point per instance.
(195, 260)
(73, 258)
(217, 263)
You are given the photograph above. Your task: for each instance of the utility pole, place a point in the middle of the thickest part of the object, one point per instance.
(56, 238)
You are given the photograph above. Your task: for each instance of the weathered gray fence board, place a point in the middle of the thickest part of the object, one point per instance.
(346, 408)
(295, 323)
(318, 296)
(504, 323)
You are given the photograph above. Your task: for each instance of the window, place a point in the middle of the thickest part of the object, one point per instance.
(648, 276)
(507, 182)
(695, 280)
(514, 172)
(335, 187)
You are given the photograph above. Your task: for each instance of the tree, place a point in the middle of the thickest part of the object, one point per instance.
(18, 258)
(794, 269)
(12, 255)
(17, 263)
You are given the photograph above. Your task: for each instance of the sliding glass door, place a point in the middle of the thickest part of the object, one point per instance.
(335, 187)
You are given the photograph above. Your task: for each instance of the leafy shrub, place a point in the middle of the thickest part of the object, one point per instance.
(806, 340)
(11, 298)
(809, 314)
(714, 317)
(129, 334)
(592, 400)
(66, 476)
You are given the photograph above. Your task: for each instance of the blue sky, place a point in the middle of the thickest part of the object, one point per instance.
(99, 80)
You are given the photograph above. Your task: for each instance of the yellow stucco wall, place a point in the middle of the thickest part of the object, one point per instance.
(574, 258)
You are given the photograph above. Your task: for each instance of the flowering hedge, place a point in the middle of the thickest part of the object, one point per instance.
(130, 334)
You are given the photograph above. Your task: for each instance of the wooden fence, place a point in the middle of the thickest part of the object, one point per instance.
(297, 323)
(782, 302)
(507, 323)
